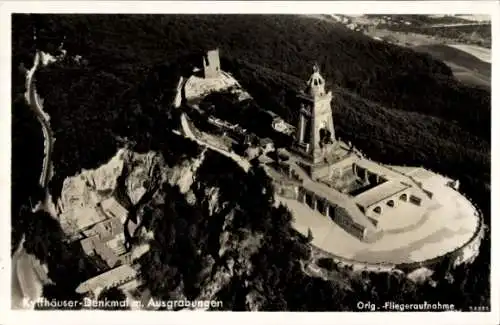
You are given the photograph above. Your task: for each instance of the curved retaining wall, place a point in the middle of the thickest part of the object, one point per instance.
(463, 254)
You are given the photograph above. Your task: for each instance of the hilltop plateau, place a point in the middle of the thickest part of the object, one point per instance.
(397, 105)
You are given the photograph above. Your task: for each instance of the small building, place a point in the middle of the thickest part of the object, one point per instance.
(287, 188)
(253, 152)
(429, 181)
(113, 209)
(106, 229)
(107, 280)
(267, 145)
(251, 139)
(74, 220)
(107, 240)
(281, 126)
(324, 200)
(387, 195)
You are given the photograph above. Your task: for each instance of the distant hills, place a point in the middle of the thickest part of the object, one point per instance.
(127, 46)
(479, 18)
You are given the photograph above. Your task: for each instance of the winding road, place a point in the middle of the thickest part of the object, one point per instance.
(34, 101)
(28, 276)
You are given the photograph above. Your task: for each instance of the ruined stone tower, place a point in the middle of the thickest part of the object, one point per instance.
(211, 64)
(315, 130)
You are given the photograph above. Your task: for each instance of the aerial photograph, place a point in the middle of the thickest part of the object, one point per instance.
(251, 162)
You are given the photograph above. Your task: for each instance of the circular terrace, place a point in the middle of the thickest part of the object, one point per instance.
(408, 236)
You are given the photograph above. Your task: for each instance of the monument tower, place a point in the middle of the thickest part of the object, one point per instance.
(315, 130)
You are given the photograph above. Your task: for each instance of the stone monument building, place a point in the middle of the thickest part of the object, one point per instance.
(315, 133)
(211, 64)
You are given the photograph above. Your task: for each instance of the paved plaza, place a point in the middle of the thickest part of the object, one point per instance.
(410, 235)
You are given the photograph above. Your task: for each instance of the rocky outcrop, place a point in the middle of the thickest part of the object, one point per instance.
(235, 254)
(184, 175)
(86, 188)
(141, 168)
(212, 194)
(420, 275)
(127, 173)
(254, 300)
(197, 87)
(139, 177)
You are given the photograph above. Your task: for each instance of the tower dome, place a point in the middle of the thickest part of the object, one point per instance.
(316, 83)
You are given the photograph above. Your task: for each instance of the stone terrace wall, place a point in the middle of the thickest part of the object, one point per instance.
(464, 254)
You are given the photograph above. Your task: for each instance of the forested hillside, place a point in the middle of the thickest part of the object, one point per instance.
(387, 135)
(396, 105)
(127, 46)
(120, 50)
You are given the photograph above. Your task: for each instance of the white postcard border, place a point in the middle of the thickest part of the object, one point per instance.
(8, 316)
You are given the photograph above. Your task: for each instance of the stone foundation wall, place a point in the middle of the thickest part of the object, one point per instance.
(464, 254)
(343, 219)
(319, 172)
(286, 190)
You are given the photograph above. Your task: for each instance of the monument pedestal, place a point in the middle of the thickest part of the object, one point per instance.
(322, 165)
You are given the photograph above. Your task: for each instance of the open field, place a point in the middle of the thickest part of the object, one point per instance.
(476, 17)
(482, 53)
(469, 76)
(459, 56)
(468, 33)
(404, 39)
(470, 64)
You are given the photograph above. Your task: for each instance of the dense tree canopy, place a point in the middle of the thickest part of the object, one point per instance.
(113, 299)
